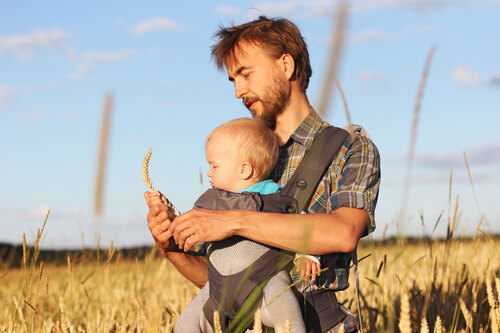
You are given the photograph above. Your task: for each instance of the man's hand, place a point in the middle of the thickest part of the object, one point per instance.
(203, 225)
(159, 220)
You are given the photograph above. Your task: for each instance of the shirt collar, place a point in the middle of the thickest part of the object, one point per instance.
(308, 129)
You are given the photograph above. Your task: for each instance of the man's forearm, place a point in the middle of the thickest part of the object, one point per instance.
(192, 267)
(338, 231)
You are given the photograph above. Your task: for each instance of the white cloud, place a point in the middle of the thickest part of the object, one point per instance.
(39, 213)
(24, 45)
(5, 93)
(418, 5)
(304, 8)
(85, 62)
(29, 116)
(121, 22)
(277, 8)
(69, 114)
(325, 8)
(466, 76)
(371, 35)
(494, 80)
(226, 10)
(373, 76)
(488, 154)
(155, 24)
(421, 30)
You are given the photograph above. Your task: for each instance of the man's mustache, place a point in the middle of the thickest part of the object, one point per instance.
(248, 100)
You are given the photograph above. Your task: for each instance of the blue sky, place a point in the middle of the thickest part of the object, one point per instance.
(58, 60)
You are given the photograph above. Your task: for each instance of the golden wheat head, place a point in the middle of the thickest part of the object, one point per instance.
(145, 167)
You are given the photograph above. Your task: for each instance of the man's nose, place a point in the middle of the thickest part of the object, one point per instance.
(240, 89)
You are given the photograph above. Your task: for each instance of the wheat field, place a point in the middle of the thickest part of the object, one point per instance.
(406, 286)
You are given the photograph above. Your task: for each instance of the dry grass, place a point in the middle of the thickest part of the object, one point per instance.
(103, 153)
(407, 288)
(119, 296)
(414, 132)
(334, 56)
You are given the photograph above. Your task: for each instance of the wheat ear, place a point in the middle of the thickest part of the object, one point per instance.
(438, 326)
(257, 321)
(404, 319)
(145, 167)
(424, 326)
(466, 313)
(217, 327)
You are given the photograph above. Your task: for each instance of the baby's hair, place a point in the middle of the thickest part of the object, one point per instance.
(254, 141)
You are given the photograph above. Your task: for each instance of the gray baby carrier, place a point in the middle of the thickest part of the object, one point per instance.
(237, 306)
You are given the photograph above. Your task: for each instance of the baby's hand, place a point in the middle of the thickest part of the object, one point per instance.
(307, 268)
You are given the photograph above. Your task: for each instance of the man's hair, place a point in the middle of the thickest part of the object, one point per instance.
(276, 36)
(254, 142)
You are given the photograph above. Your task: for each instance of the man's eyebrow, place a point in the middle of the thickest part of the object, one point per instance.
(237, 72)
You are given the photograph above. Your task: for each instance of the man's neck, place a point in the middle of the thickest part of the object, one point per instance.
(292, 116)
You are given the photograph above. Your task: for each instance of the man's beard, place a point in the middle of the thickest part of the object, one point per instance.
(275, 100)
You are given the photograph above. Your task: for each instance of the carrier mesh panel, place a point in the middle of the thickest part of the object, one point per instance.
(235, 254)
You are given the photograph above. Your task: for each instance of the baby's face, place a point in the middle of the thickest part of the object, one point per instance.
(224, 162)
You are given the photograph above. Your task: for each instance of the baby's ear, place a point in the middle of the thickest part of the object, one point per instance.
(246, 170)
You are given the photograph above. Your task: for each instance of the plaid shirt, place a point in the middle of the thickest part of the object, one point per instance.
(352, 180)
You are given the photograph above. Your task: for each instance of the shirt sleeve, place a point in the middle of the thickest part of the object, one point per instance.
(359, 180)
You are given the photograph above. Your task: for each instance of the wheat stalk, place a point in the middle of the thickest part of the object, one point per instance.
(489, 291)
(414, 132)
(336, 45)
(65, 322)
(494, 322)
(40, 272)
(404, 319)
(438, 326)
(149, 184)
(217, 327)
(474, 297)
(466, 313)
(103, 152)
(145, 170)
(257, 322)
(497, 285)
(494, 308)
(344, 100)
(424, 327)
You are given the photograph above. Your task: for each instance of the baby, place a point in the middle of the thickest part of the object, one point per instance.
(241, 154)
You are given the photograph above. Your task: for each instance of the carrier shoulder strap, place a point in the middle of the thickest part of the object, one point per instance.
(305, 180)
(316, 160)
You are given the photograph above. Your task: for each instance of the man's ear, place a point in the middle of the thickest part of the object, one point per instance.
(287, 64)
(246, 170)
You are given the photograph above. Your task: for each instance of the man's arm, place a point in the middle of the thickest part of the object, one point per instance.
(353, 204)
(338, 231)
(194, 268)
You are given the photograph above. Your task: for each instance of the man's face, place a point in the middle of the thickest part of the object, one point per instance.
(259, 82)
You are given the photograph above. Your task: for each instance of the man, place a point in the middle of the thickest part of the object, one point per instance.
(268, 62)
